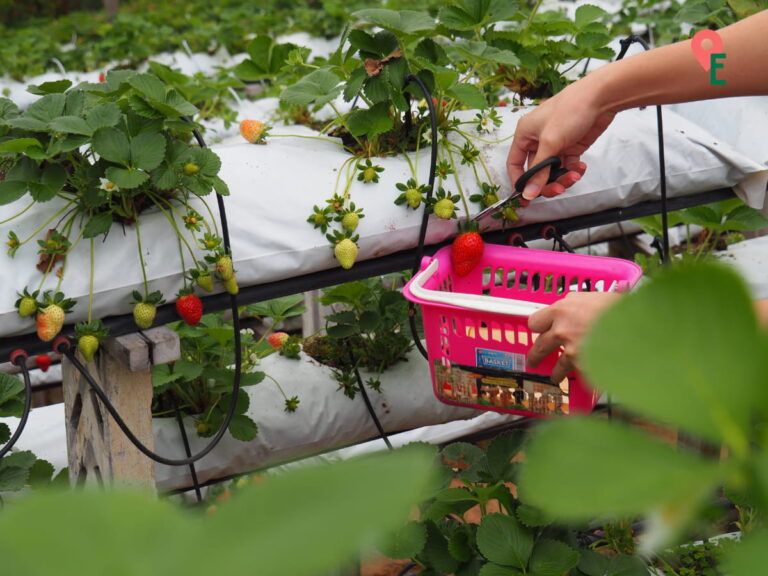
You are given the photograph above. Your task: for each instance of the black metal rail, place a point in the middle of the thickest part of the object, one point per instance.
(403, 260)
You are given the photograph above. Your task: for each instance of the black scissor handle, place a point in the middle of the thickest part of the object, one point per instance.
(555, 172)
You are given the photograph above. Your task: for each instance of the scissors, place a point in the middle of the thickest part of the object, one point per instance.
(555, 173)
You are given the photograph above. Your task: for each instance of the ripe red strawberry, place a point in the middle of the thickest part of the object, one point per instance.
(252, 130)
(466, 251)
(277, 339)
(43, 362)
(190, 308)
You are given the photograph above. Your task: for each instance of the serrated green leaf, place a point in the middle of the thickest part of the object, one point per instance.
(67, 144)
(11, 190)
(243, 428)
(318, 87)
(147, 151)
(98, 225)
(436, 551)
(469, 95)
(12, 478)
(500, 453)
(587, 13)
(176, 105)
(370, 121)
(467, 460)
(163, 375)
(496, 570)
(41, 473)
(149, 86)
(365, 42)
(457, 494)
(406, 542)
(533, 517)
(402, 21)
(283, 307)
(588, 40)
(341, 331)
(687, 371)
(71, 125)
(743, 218)
(112, 144)
(552, 558)
(5, 433)
(164, 178)
(127, 178)
(143, 108)
(103, 115)
(482, 53)
(369, 321)
(610, 462)
(251, 378)
(502, 540)
(47, 108)
(459, 544)
(19, 145)
(53, 87)
(20, 459)
(354, 84)
(10, 389)
(53, 176)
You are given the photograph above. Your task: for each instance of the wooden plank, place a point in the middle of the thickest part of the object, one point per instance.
(98, 450)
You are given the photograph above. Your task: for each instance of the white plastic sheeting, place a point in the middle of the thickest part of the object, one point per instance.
(325, 420)
(274, 187)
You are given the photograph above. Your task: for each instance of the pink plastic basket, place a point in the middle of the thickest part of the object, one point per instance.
(476, 326)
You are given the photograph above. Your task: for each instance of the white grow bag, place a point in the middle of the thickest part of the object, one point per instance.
(274, 187)
(325, 420)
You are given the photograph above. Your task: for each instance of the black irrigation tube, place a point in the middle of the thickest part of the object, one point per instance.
(398, 261)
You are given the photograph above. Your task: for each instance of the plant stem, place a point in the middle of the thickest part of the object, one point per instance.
(458, 182)
(46, 223)
(141, 259)
(18, 213)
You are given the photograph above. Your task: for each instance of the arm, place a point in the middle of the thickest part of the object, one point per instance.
(568, 123)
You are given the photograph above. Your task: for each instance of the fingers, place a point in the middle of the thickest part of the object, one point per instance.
(564, 366)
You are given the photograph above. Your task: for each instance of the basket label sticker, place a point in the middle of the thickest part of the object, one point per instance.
(491, 389)
(499, 360)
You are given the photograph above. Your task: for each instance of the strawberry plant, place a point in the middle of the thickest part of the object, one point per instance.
(94, 155)
(367, 329)
(200, 382)
(18, 469)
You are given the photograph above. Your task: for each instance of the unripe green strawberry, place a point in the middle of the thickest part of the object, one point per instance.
(224, 267)
(231, 285)
(349, 221)
(50, 321)
(369, 174)
(88, 345)
(346, 253)
(144, 314)
(27, 306)
(191, 169)
(205, 281)
(444, 208)
(413, 197)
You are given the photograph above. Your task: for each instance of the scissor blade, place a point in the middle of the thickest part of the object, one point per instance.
(496, 206)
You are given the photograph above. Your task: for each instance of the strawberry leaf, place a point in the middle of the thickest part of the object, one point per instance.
(98, 225)
(71, 125)
(372, 121)
(402, 21)
(147, 151)
(243, 428)
(125, 177)
(112, 144)
(320, 87)
(19, 145)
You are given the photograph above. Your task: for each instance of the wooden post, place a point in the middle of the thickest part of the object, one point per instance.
(98, 451)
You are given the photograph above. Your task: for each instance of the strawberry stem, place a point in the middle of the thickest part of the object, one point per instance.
(18, 213)
(141, 258)
(45, 224)
(458, 182)
(90, 285)
(171, 221)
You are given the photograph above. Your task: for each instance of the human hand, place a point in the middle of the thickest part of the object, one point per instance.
(563, 126)
(564, 324)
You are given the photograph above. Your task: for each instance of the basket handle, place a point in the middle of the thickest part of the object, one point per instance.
(470, 301)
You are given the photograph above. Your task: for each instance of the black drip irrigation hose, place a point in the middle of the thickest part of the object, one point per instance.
(367, 400)
(64, 346)
(425, 217)
(188, 452)
(664, 248)
(19, 358)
